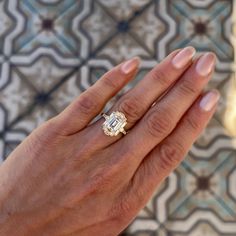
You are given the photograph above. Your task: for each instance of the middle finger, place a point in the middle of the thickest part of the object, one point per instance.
(138, 100)
(162, 118)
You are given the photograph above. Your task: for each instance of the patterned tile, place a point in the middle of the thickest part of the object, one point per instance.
(122, 10)
(48, 26)
(51, 51)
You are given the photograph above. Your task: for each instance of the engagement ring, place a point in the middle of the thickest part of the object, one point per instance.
(114, 123)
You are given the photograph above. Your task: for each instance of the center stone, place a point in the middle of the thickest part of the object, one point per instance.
(114, 123)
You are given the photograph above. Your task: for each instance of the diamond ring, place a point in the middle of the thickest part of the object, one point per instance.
(114, 123)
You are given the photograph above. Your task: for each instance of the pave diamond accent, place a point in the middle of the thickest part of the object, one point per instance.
(114, 123)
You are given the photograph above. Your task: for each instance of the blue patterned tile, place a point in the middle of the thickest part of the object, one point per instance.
(52, 50)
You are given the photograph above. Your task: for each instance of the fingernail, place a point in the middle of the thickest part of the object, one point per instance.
(183, 57)
(130, 65)
(205, 64)
(209, 100)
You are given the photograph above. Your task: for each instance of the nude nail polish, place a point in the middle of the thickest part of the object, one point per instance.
(209, 100)
(183, 57)
(130, 65)
(205, 64)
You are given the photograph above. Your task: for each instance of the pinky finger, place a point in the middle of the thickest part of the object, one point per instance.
(165, 157)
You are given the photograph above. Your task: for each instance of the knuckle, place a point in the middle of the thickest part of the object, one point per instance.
(86, 103)
(121, 210)
(171, 154)
(101, 180)
(162, 77)
(98, 182)
(109, 82)
(187, 88)
(131, 109)
(159, 124)
(139, 194)
(192, 123)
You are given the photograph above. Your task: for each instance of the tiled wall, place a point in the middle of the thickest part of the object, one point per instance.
(51, 50)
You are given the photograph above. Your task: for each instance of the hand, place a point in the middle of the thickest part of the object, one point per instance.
(69, 178)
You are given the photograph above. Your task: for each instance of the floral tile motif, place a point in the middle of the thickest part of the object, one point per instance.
(51, 51)
(98, 25)
(48, 26)
(123, 9)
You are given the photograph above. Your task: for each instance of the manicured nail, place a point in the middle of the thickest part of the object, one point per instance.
(209, 100)
(130, 65)
(183, 57)
(205, 64)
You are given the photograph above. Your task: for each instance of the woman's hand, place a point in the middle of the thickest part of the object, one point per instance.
(69, 178)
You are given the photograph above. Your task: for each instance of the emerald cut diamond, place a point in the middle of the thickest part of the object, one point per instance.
(114, 123)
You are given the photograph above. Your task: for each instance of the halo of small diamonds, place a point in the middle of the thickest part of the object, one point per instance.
(114, 123)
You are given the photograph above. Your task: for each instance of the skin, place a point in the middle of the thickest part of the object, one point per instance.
(69, 178)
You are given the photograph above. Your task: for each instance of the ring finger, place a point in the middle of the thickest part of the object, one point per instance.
(138, 100)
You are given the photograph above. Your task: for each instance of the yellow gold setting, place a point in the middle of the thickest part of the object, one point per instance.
(114, 123)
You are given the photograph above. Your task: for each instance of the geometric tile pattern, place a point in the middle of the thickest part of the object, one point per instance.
(51, 51)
